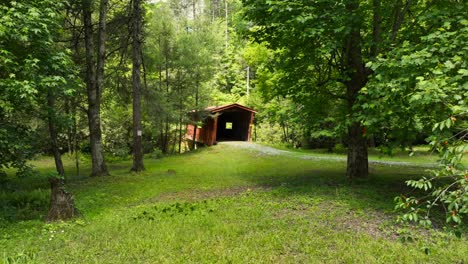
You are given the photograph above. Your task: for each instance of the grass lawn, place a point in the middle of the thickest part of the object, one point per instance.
(226, 205)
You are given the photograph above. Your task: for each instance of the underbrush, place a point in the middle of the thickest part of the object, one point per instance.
(24, 205)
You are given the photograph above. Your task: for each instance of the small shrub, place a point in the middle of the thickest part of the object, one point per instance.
(25, 204)
(156, 154)
(3, 178)
(339, 148)
(25, 171)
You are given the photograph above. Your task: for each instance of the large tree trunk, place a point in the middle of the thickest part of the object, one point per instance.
(53, 133)
(357, 152)
(357, 166)
(62, 205)
(137, 128)
(99, 167)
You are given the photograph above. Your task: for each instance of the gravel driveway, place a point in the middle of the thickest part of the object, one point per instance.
(266, 150)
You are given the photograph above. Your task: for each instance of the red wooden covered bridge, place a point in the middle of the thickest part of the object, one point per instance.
(231, 122)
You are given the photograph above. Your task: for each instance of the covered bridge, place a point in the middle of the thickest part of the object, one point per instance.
(222, 123)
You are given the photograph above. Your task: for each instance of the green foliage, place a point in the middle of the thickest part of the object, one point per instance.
(421, 81)
(180, 55)
(157, 154)
(31, 65)
(447, 189)
(117, 124)
(24, 205)
(339, 148)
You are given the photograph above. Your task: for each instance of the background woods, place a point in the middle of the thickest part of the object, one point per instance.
(97, 82)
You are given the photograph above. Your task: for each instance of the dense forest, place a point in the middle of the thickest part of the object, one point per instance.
(114, 80)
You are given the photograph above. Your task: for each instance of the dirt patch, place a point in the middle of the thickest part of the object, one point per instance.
(340, 218)
(195, 195)
(372, 224)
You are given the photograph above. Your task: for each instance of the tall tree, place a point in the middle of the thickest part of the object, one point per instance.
(325, 47)
(137, 20)
(34, 73)
(53, 133)
(94, 83)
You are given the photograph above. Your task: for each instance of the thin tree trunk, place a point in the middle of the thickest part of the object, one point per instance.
(136, 83)
(161, 122)
(196, 114)
(174, 144)
(53, 133)
(75, 138)
(357, 166)
(399, 17)
(227, 24)
(69, 128)
(99, 167)
(377, 28)
(285, 136)
(166, 133)
(180, 133)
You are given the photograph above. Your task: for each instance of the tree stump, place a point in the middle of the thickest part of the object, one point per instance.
(62, 204)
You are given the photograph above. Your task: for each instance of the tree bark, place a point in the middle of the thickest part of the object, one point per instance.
(136, 83)
(196, 114)
(357, 166)
(99, 167)
(62, 205)
(399, 16)
(180, 133)
(101, 41)
(227, 24)
(53, 133)
(166, 130)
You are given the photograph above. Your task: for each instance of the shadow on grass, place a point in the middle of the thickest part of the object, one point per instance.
(376, 192)
(204, 170)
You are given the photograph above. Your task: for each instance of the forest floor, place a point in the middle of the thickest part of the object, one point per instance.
(230, 203)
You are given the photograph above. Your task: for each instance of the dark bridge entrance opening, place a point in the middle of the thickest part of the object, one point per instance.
(233, 125)
(232, 122)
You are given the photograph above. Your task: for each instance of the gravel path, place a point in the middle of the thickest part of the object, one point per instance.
(266, 150)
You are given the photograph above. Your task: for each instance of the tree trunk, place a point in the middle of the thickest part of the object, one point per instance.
(357, 153)
(166, 130)
(69, 128)
(227, 25)
(136, 83)
(53, 133)
(357, 166)
(196, 113)
(75, 137)
(376, 28)
(99, 167)
(101, 41)
(194, 141)
(180, 133)
(62, 205)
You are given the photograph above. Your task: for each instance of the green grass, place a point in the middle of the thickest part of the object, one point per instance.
(224, 205)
